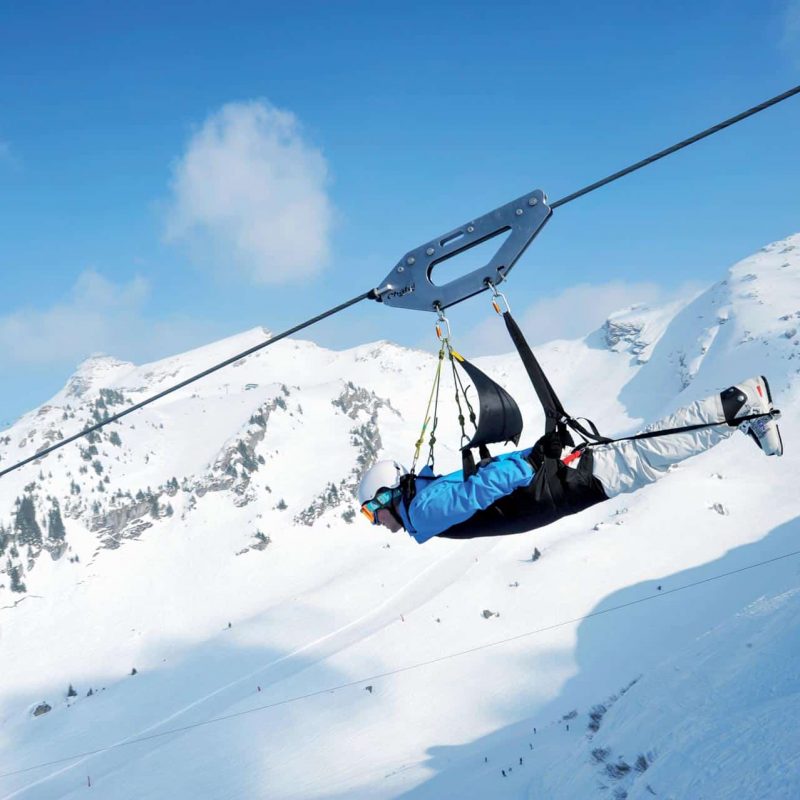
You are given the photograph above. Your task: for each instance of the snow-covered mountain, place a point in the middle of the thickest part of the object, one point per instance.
(168, 584)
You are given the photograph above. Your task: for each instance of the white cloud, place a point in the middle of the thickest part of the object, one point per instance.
(98, 316)
(571, 314)
(250, 192)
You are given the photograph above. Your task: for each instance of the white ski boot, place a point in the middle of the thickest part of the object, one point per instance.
(753, 397)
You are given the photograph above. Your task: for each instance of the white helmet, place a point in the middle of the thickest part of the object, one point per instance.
(383, 475)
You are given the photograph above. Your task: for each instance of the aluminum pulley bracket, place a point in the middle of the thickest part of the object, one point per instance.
(410, 284)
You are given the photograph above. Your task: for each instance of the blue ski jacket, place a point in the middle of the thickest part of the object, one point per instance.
(446, 500)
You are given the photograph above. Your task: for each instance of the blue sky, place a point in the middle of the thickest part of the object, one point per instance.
(174, 173)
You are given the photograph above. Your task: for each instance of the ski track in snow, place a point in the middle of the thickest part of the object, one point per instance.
(416, 592)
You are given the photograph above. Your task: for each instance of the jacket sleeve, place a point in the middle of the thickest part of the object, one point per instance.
(445, 502)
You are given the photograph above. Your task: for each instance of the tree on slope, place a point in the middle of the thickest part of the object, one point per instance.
(25, 525)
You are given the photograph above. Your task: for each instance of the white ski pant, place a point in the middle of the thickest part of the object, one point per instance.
(626, 466)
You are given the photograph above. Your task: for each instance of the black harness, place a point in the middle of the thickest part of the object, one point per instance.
(557, 490)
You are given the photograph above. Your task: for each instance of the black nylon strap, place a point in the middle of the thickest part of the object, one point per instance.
(556, 418)
(686, 428)
(468, 467)
(594, 435)
(408, 487)
(553, 410)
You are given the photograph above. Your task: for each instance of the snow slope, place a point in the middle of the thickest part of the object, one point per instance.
(210, 542)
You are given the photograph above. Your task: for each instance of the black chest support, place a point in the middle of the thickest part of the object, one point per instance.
(556, 491)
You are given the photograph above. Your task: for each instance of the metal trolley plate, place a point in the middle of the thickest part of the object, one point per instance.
(409, 284)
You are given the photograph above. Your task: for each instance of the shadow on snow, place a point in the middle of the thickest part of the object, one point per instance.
(611, 651)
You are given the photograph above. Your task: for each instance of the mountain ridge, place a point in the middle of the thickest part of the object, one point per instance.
(231, 501)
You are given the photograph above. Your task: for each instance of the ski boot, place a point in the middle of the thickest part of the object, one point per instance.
(753, 397)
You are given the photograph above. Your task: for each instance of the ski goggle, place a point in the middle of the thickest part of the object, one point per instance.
(381, 500)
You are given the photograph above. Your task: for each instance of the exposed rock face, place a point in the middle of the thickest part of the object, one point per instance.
(355, 400)
(117, 519)
(235, 465)
(363, 406)
(230, 472)
(125, 522)
(626, 334)
(260, 542)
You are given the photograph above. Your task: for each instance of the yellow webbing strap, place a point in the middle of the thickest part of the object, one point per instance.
(456, 354)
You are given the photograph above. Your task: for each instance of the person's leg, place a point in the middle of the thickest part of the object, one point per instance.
(626, 466)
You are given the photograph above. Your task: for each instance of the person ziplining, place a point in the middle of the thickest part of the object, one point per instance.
(533, 487)
(529, 488)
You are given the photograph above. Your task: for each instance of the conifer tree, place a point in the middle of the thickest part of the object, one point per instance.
(25, 525)
(15, 576)
(55, 525)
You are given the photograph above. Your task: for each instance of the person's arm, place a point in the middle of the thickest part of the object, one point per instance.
(445, 503)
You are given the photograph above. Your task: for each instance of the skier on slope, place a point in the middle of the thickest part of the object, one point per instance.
(503, 497)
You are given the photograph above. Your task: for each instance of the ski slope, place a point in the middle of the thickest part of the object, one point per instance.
(285, 649)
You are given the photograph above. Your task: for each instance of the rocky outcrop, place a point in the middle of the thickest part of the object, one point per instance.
(239, 460)
(363, 406)
(623, 334)
(123, 522)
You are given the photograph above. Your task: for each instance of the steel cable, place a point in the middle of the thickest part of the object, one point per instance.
(114, 417)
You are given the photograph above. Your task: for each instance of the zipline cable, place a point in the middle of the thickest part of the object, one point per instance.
(373, 295)
(182, 384)
(399, 670)
(675, 147)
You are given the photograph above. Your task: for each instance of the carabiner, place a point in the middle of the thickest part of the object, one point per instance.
(442, 319)
(495, 295)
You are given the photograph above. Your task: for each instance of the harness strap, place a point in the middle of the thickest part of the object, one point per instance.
(775, 413)
(408, 487)
(553, 410)
(556, 417)
(595, 434)
(468, 465)
(578, 451)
